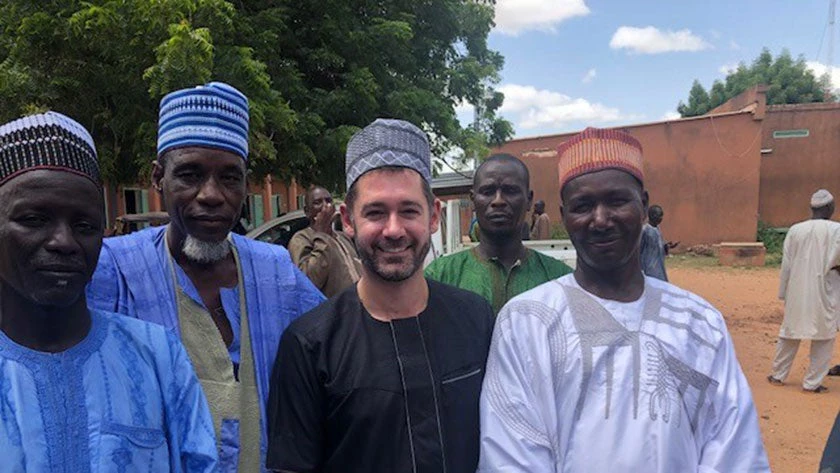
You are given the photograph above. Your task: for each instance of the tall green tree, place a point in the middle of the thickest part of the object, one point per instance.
(315, 72)
(789, 81)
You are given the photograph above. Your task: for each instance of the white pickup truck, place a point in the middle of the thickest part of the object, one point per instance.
(445, 242)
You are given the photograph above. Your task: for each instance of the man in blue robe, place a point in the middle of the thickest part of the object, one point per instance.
(80, 389)
(229, 298)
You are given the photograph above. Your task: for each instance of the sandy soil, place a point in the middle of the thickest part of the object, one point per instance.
(794, 424)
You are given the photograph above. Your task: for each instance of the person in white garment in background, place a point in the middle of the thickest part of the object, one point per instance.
(605, 369)
(810, 284)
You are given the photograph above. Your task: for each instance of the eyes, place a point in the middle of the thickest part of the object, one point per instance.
(35, 221)
(508, 190)
(585, 205)
(380, 214)
(193, 177)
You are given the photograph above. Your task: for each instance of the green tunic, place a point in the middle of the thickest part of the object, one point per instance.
(488, 278)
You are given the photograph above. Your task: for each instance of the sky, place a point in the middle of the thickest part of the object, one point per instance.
(576, 63)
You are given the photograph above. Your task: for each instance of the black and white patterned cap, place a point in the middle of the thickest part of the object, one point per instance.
(388, 143)
(47, 141)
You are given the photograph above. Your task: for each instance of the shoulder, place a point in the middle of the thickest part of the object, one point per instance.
(697, 311)
(463, 308)
(149, 339)
(259, 249)
(143, 237)
(302, 236)
(555, 267)
(549, 296)
(441, 266)
(452, 294)
(316, 324)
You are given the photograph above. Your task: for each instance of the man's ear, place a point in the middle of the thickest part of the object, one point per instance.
(645, 201)
(346, 220)
(562, 214)
(434, 217)
(530, 199)
(157, 176)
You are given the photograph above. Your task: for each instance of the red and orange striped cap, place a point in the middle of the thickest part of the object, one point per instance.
(595, 149)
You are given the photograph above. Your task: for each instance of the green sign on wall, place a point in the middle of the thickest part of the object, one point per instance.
(802, 133)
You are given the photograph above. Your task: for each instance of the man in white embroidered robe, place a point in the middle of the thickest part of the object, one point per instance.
(605, 369)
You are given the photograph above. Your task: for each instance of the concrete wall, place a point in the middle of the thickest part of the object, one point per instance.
(703, 171)
(796, 167)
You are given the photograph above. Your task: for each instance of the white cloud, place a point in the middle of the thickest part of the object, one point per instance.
(516, 16)
(589, 76)
(727, 69)
(734, 46)
(650, 40)
(819, 69)
(670, 115)
(531, 108)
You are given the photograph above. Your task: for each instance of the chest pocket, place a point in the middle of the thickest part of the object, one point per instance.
(129, 448)
(461, 388)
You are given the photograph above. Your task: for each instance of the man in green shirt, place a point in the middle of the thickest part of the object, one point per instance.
(500, 267)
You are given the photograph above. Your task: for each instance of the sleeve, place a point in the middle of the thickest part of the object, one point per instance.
(312, 256)
(834, 257)
(295, 409)
(514, 438)
(787, 256)
(192, 440)
(731, 436)
(103, 290)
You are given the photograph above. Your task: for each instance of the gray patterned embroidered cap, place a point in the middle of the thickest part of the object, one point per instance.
(387, 142)
(47, 141)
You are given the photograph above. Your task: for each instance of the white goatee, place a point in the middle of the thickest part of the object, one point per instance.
(205, 252)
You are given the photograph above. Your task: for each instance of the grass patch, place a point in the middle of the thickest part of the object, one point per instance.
(691, 261)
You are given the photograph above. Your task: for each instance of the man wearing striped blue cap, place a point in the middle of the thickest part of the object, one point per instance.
(80, 389)
(229, 298)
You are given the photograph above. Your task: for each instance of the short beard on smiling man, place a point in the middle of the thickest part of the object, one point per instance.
(205, 252)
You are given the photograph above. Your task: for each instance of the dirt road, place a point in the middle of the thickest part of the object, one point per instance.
(794, 424)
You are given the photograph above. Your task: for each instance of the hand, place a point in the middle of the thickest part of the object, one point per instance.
(672, 244)
(323, 220)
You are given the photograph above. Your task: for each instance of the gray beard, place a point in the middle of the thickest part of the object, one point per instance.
(205, 252)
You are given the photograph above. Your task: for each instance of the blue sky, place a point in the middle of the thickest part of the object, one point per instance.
(574, 63)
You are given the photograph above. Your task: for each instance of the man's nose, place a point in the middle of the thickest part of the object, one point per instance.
(210, 192)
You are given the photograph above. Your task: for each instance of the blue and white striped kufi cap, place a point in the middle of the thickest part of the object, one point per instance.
(388, 142)
(47, 141)
(211, 116)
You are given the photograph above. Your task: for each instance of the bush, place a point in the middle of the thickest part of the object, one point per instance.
(772, 238)
(558, 232)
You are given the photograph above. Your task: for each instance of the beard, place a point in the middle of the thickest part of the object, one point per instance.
(378, 262)
(205, 252)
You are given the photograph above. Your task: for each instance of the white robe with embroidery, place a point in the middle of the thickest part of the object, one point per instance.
(808, 285)
(578, 384)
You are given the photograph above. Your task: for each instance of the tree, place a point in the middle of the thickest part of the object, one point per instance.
(788, 81)
(314, 72)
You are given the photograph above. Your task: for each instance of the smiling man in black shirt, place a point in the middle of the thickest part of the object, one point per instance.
(385, 376)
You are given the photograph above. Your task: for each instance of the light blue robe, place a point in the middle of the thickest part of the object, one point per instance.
(133, 278)
(124, 399)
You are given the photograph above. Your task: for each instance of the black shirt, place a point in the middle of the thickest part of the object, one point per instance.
(350, 393)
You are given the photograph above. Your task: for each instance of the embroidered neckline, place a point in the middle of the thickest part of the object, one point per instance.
(81, 351)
